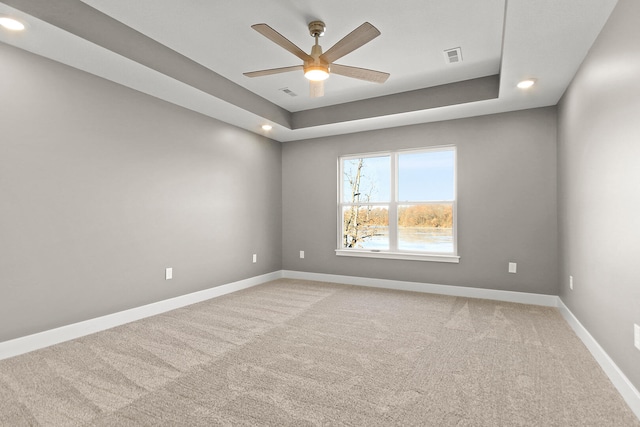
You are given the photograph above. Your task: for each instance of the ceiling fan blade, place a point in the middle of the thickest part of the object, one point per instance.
(272, 71)
(316, 89)
(355, 39)
(281, 41)
(359, 73)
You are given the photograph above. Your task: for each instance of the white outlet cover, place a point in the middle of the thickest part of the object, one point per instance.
(571, 282)
(168, 273)
(636, 336)
(513, 267)
(301, 254)
(255, 258)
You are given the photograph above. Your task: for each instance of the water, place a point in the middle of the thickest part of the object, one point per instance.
(414, 239)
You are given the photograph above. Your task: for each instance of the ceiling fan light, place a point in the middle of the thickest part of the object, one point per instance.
(316, 73)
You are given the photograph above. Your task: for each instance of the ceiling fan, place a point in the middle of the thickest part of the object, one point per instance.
(317, 65)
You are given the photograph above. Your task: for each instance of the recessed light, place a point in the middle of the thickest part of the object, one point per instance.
(267, 127)
(11, 24)
(526, 84)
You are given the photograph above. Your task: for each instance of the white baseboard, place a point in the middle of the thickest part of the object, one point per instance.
(629, 393)
(40, 340)
(458, 291)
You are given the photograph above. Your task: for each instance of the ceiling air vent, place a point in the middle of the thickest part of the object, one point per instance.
(288, 91)
(451, 56)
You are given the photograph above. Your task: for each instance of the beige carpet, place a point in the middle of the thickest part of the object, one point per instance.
(306, 353)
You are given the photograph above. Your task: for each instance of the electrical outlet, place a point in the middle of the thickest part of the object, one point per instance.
(513, 267)
(571, 282)
(636, 335)
(301, 254)
(255, 258)
(168, 273)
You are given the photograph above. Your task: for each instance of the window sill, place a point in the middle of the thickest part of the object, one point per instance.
(411, 256)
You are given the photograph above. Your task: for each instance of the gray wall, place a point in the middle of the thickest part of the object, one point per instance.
(506, 202)
(599, 189)
(102, 187)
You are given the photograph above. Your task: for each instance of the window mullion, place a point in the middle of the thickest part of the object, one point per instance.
(393, 204)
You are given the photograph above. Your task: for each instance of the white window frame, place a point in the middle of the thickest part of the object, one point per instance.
(393, 203)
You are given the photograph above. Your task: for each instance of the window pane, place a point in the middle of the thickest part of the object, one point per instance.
(367, 179)
(426, 228)
(365, 227)
(427, 176)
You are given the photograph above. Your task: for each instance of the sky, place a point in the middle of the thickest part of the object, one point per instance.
(426, 176)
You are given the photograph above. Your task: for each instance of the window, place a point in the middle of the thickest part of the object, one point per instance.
(399, 204)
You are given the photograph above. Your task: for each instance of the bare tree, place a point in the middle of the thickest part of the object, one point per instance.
(357, 221)
(351, 220)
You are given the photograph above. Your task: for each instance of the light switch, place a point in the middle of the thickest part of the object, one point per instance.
(512, 267)
(168, 273)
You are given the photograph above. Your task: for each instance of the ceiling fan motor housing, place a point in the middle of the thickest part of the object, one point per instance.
(317, 63)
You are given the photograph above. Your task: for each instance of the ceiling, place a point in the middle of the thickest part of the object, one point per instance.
(193, 54)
